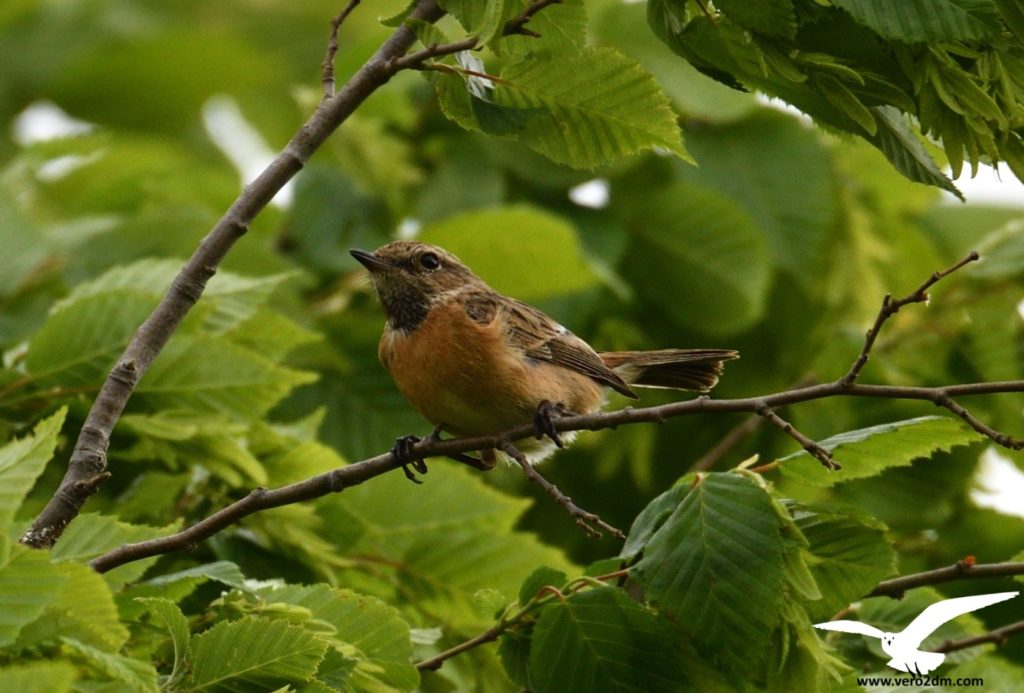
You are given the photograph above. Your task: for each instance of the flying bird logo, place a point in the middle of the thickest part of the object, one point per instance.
(903, 647)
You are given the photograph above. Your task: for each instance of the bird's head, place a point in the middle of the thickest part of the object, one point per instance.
(409, 276)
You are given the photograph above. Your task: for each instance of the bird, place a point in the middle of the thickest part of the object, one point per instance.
(474, 362)
(902, 647)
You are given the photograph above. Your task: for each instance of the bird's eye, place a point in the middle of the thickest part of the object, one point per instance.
(430, 261)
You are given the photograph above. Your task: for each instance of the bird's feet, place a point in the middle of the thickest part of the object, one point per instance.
(402, 451)
(544, 421)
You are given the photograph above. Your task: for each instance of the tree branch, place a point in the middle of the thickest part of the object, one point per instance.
(964, 569)
(339, 479)
(332, 48)
(997, 637)
(87, 467)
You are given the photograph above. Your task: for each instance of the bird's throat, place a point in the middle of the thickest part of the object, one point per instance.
(405, 308)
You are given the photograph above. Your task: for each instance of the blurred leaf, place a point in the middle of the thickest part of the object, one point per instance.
(25, 247)
(689, 242)
(794, 203)
(773, 17)
(867, 451)
(39, 677)
(250, 652)
(720, 547)
(224, 572)
(599, 639)
(543, 246)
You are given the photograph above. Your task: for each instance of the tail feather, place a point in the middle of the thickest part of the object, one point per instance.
(680, 369)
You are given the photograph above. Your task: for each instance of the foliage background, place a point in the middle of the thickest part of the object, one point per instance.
(780, 243)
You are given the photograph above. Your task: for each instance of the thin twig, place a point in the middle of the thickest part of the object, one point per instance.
(88, 461)
(585, 520)
(819, 453)
(489, 635)
(892, 306)
(517, 25)
(997, 637)
(960, 570)
(327, 66)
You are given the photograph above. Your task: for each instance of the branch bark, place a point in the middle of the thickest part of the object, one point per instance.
(958, 571)
(87, 468)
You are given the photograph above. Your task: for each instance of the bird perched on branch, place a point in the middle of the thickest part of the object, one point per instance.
(476, 363)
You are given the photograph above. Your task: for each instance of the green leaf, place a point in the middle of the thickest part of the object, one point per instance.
(867, 451)
(24, 247)
(254, 653)
(80, 340)
(374, 628)
(1002, 252)
(915, 21)
(598, 106)
(851, 555)
(720, 548)
(599, 639)
(770, 17)
(21, 463)
(133, 674)
(652, 517)
(562, 28)
(481, 18)
(91, 534)
(84, 611)
(540, 577)
(688, 242)
(214, 375)
(168, 613)
(39, 677)
(29, 583)
(901, 147)
(795, 205)
(545, 248)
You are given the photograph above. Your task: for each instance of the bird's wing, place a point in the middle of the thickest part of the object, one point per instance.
(928, 621)
(539, 337)
(858, 627)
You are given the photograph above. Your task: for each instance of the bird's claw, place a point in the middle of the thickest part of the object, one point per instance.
(544, 421)
(402, 452)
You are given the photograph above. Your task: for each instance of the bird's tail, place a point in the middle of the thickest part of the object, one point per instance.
(680, 369)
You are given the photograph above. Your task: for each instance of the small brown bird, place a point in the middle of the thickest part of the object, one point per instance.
(475, 363)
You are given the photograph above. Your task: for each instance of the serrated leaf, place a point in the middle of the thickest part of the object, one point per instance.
(79, 342)
(901, 147)
(92, 534)
(374, 628)
(133, 674)
(599, 639)
(29, 583)
(598, 106)
(651, 518)
(21, 462)
(480, 18)
(84, 611)
(224, 572)
(915, 21)
(851, 555)
(168, 613)
(867, 451)
(562, 28)
(254, 652)
(720, 548)
(39, 677)
(215, 375)
(689, 240)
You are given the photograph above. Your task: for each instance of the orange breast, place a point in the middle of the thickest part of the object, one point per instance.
(464, 377)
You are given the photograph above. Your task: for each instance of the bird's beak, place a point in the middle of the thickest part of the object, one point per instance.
(370, 261)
